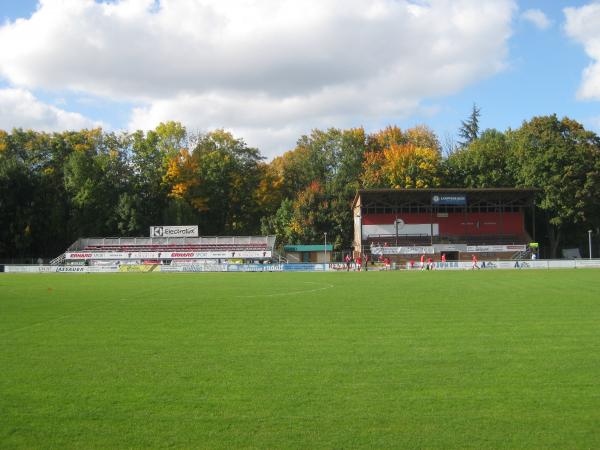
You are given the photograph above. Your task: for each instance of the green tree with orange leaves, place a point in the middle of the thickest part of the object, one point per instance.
(402, 160)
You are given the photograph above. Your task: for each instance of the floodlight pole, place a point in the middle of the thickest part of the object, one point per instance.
(590, 242)
(325, 247)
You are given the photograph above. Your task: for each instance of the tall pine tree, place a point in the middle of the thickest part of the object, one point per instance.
(469, 129)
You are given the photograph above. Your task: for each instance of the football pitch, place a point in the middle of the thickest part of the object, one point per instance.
(471, 359)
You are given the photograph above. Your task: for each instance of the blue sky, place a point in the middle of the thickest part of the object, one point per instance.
(510, 67)
(543, 76)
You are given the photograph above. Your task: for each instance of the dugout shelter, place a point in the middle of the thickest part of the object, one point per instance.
(403, 224)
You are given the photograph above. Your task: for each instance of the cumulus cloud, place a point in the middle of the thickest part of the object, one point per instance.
(537, 18)
(20, 109)
(583, 25)
(263, 66)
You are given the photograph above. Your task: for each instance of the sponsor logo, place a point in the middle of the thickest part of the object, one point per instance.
(182, 255)
(457, 199)
(179, 232)
(70, 269)
(80, 255)
(169, 231)
(156, 231)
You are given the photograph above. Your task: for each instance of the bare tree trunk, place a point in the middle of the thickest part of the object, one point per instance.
(554, 235)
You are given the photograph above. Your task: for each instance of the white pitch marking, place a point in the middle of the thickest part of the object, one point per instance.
(328, 286)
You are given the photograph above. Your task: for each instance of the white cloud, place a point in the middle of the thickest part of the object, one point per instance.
(20, 109)
(262, 66)
(583, 25)
(537, 18)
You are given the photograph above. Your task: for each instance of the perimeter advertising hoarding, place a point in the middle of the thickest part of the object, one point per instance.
(174, 231)
(167, 255)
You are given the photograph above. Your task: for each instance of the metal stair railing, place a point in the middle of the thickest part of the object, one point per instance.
(58, 260)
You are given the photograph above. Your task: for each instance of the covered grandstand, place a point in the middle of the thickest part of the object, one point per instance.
(404, 223)
(168, 250)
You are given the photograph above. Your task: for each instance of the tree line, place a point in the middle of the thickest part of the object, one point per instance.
(57, 187)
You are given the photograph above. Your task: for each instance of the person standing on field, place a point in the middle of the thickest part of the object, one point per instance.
(443, 260)
(474, 260)
(423, 261)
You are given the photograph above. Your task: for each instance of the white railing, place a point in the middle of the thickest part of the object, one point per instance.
(268, 241)
(58, 260)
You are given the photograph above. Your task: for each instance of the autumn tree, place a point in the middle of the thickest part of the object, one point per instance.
(403, 160)
(218, 180)
(321, 176)
(484, 163)
(562, 159)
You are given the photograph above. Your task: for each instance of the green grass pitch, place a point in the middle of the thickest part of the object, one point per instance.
(472, 359)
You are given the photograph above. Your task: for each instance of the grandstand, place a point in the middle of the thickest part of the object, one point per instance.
(404, 223)
(168, 250)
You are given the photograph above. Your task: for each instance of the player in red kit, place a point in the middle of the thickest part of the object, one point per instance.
(474, 260)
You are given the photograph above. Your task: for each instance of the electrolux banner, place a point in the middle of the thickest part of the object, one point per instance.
(174, 231)
(449, 199)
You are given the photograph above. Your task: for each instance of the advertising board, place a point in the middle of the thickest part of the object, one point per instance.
(114, 256)
(449, 199)
(45, 269)
(417, 250)
(299, 267)
(140, 268)
(174, 231)
(495, 248)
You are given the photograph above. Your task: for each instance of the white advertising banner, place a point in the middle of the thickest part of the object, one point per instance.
(587, 263)
(167, 255)
(174, 231)
(403, 229)
(46, 269)
(402, 250)
(495, 248)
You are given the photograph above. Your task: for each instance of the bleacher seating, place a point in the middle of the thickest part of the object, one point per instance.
(161, 244)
